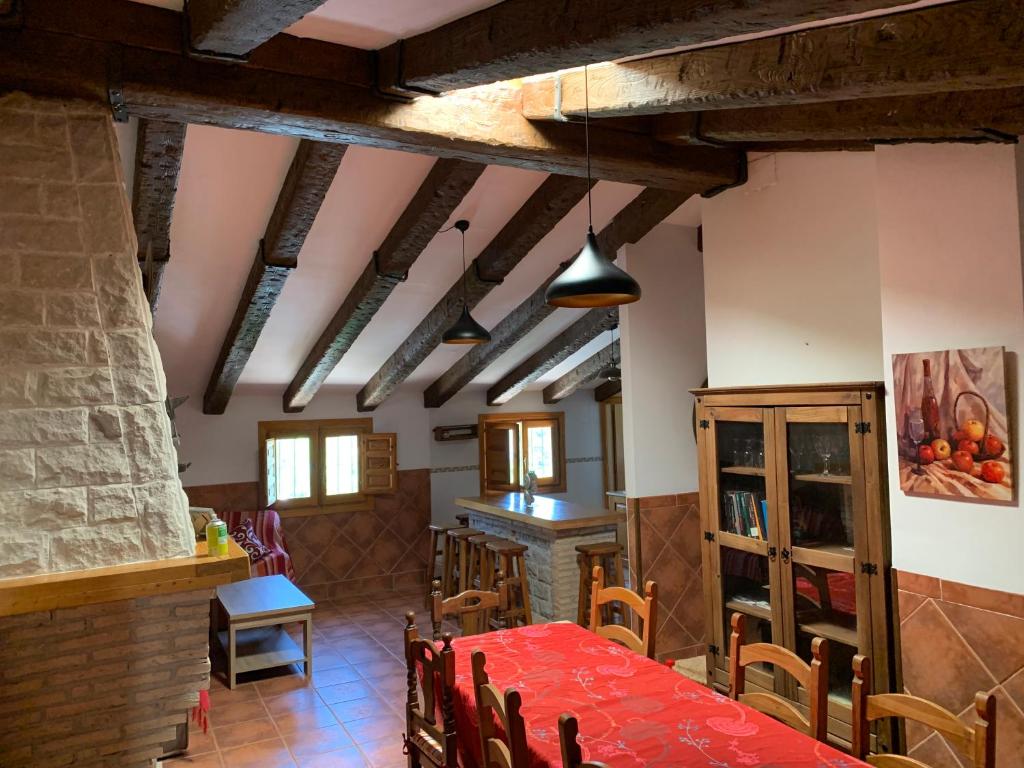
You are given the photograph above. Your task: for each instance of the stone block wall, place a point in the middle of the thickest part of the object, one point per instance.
(104, 684)
(88, 473)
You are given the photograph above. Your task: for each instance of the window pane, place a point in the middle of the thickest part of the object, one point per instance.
(342, 464)
(292, 467)
(540, 451)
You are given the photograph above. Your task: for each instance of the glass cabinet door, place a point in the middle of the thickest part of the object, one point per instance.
(823, 536)
(743, 548)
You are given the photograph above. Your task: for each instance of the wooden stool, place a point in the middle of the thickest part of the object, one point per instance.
(510, 558)
(463, 520)
(456, 573)
(481, 564)
(609, 556)
(438, 547)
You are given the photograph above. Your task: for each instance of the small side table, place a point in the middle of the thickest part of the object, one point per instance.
(255, 638)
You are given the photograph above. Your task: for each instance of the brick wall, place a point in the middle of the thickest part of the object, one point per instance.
(670, 537)
(333, 555)
(103, 684)
(88, 473)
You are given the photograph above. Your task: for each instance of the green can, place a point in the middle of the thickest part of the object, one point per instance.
(216, 537)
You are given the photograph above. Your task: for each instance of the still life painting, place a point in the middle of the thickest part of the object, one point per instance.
(952, 424)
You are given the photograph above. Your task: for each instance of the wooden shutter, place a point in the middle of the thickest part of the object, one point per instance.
(270, 471)
(378, 462)
(501, 456)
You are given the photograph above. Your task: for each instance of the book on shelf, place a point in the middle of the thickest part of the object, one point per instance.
(745, 514)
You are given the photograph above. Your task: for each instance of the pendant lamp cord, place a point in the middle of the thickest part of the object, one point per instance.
(586, 134)
(464, 304)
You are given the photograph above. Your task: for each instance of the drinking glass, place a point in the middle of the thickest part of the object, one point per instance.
(916, 432)
(759, 456)
(748, 453)
(823, 446)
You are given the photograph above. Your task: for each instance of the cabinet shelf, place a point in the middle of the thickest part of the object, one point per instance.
(819, 478)
(838, 630)
(750, 471)
(836, 557)
(750, 609)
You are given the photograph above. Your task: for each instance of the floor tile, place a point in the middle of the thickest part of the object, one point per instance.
(335, 675)
(358, 709)
(333, 694)
(302, 698)
(316, 741)
(382, 668)
(374, 728)
(209, 760)
(284, 684)
(342, 758)
(225, 714)
(198, 742)
(262, 754)
(245, 732)
(305, 719)
(385, 753)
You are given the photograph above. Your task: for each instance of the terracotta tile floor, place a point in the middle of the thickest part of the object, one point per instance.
(350, 714)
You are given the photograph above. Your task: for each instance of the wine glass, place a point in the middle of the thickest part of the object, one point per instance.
(748, 453)
(916, 432)
(823, 446)
(759, 455)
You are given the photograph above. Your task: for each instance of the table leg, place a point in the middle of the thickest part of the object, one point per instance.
(307, 644)
(232, 647)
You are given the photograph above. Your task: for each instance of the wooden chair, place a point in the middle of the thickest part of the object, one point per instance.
(471, 606)
(977, 741)
(645, 608)
(813, 677)
(491, 704)
(427, 741)
(572, 756)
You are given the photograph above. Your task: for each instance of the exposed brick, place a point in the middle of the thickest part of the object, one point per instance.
(61, 201)
(40, 427)
(31, 233)
(37, 163)
(111, 503)
(72, 310)
(104, 424)
(52, 508)
(96, 464)
(75, 386)
(23, 553)
(19, 196)
(36, 347)
(104, 227)
(17, 469)
(41, 270)
(10, 270)
(76, 548)
(21, 308)
(119, 287)
(17, 127)
(91, 149)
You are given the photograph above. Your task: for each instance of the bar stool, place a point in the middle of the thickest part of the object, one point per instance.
(456, 574)
(438, 548)
(607, 554)
(510, 558)
(481, 563)
(463, 520)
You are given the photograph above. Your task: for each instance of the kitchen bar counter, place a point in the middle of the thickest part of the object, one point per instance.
(552, 529)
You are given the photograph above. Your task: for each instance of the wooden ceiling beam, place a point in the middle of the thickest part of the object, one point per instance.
(434, 202)
(584, 373)
(996, 114)
(977, 44)
(60, 51)
(158, 150)
(571, 340)
(235, 27)
(548, 205)
(635, 220)
(309, 177)
(608, 389)
(517, 38)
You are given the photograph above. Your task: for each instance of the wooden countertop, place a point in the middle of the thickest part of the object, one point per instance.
(552, 514)
(48, 591)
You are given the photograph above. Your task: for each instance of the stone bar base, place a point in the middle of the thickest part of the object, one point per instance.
(550, 561)
(103, 684)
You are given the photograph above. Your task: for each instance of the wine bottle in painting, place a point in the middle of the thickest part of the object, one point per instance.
(929, 405)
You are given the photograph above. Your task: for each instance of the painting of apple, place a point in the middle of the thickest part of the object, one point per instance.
(941, 449)
(953, 425)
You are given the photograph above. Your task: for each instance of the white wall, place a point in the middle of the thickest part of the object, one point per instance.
(791, 273)
(223, 449)
(950, 249)
(663, 356)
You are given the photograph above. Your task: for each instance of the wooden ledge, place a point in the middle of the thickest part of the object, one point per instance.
(49, 591)
(550, 514)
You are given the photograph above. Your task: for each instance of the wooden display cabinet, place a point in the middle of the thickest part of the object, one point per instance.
(795, 523)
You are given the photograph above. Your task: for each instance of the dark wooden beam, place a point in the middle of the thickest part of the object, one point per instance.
(158, 151)
(59, 51)
(608, 389)
(538, 215)
(235, 27)
(438, 196)
(977, 44)
(309, 177)
(995, 114)
(582, 374)
(516, 38)
(634, 221)
(571, 340)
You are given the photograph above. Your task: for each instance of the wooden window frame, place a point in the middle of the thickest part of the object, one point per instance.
(555, 418)
(317, 430)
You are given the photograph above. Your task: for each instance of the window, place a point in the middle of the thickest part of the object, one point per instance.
(330, 465)
(512, 444)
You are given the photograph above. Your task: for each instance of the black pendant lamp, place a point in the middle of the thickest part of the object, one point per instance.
(611, 372)
(465, 330)
(592, 279)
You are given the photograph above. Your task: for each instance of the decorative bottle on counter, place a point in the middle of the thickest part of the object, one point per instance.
(216, 537)
(929, 405)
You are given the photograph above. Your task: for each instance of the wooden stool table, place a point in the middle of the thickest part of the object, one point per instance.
(255, 639)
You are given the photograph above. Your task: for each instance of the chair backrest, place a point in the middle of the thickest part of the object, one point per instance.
(470, 606)
(490, 704)
(977, 742)
(434, 672)
(572, 756)
(813, 677)
(645, 608)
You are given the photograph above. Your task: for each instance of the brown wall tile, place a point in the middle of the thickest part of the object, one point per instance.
(988, 599)
(225, 496)
(919, 585)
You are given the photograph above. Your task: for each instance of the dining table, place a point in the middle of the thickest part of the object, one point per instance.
(632, 711)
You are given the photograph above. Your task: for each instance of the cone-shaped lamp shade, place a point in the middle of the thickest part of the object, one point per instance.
(611, 373)
(466, 330)
(592, 280)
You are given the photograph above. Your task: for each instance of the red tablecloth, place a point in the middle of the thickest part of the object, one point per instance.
(632, 711)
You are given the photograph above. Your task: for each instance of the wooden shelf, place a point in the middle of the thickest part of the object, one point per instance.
(819, 478)
(750, 610)
(836, 557)
(263, 648)
(750, 471)
(839, 632)
(745, 543)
